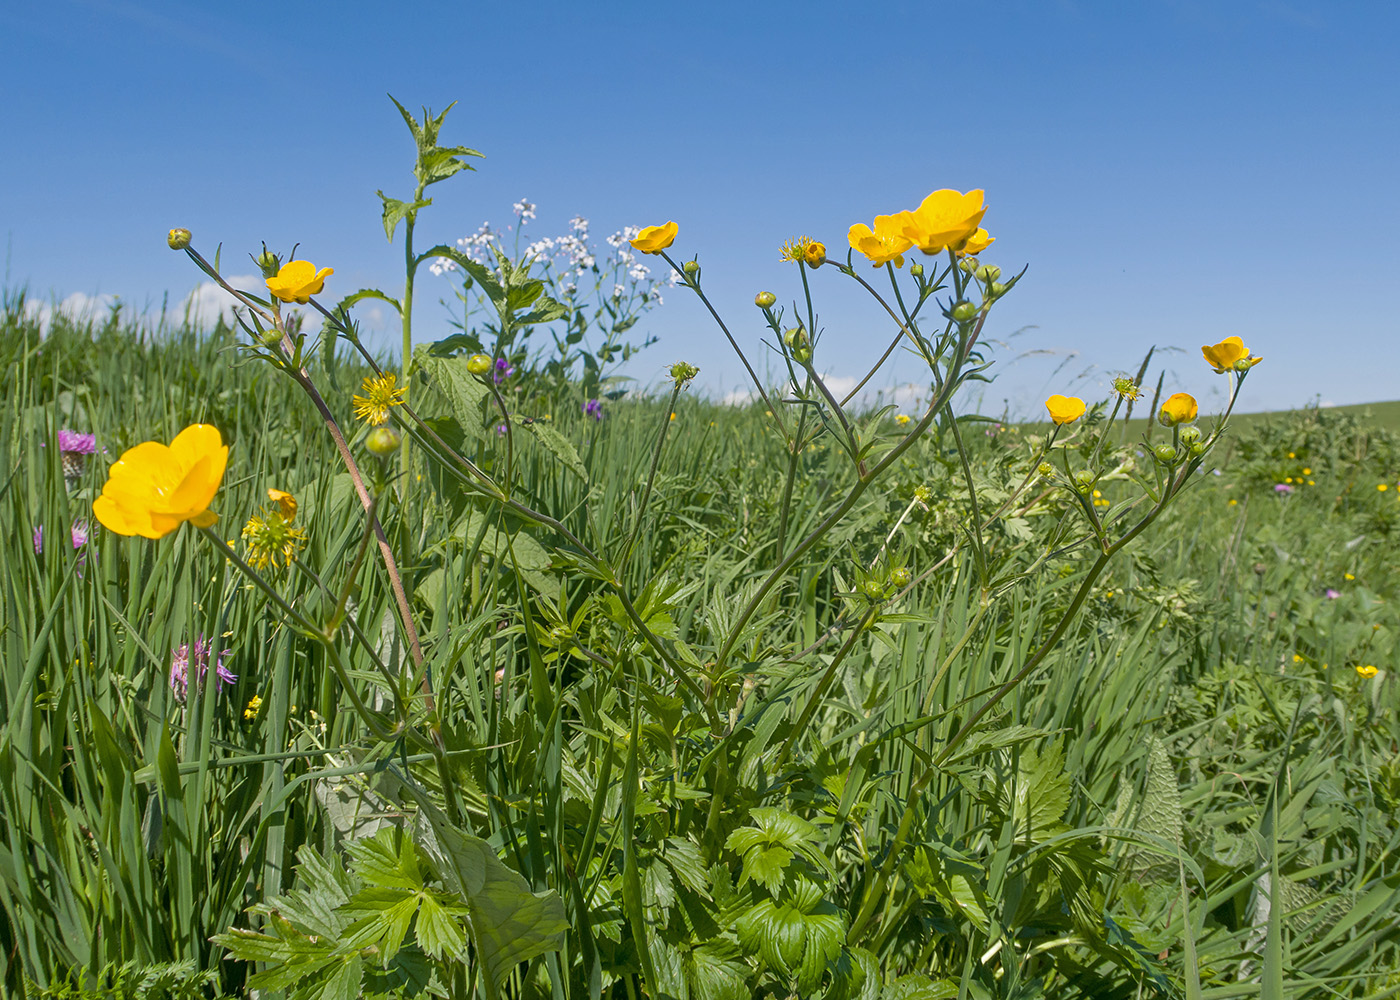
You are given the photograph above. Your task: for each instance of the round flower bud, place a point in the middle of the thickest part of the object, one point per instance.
(765, 300)
(268, 263)
(964, 312)
(178, 239)
(988, 272)
(1084, 479)
(270, 337)
(873, 589)
(560, 634)
(382, 441)
(900, 577)
(998, 289)
(1197, 448)
(967, 265)
(1190, 435)
(1165, 454)
(917, 270)
(478, 364)
(691, 267)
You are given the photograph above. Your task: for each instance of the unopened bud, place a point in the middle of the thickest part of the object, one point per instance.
(382, 441)
(691, 267)
(1084, 480)
(1165, 454)
(900, 577)
(1190, 435)
(1197, 448)
(478, 364)
(998, 289)
(798, 344)
(178, 239)
(270, 337)
(268, 263)
(988, 272)
(560, 634)
(967, 265)
(917, 270)
(873, 589)
(765, 300)
(963, 312)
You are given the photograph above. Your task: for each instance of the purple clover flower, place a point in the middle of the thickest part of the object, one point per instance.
(76, 444)
(78, 534)
(1282, 489)
(593, 408)
(1332, 595)
(504, 370)
(180, 662)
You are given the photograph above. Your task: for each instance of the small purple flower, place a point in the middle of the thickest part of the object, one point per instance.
(75, 443)
(180, 666)
(1332, 595)
(593, 408)
(504, 370)
(1282, 489)
(79, 534)
(38, 539)
(501, 430)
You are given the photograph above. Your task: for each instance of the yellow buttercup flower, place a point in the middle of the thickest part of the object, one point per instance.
(1229, 355)
(1367, 672)
(1180, 408)
(286, 503)
(271, 540)
(654, 239)
(298, 280)
(1065, 409)
(380, 396)
(976, 243)
(946, 218)
(814, 254)
(886, 242)
(154, 488)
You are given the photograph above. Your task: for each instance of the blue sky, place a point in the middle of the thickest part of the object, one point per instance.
(1172, 172)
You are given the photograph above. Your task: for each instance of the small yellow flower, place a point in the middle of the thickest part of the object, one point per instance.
(379, 398)
(804, 248)
(654, 239)
(1234, 503)
(270, 540)
(251, 712)
(1382, 487)
(946, 218)
(1307, 472)
(1228, 356)
(976, 243)
(298, 280)
(1180, 408)
(286, 503)
(886, 242)
(673, 416)
(1065, 409)
(902, 419)
(1291, 455)
(1348, 576)
(1312, 482)
(153, 488)
(1288, 479)
(1367, 672)
(1297, 658)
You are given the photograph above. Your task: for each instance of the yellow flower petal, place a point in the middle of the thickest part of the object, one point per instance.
(152, 489)
(654, 239)
(1065, 409)
(944, 219)
(298, 280)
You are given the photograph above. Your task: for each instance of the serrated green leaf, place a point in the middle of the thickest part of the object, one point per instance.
(557, 445)
(484, 277)
(438, 933)
(395, 211)
(546, 310)
(463, 391)
(917, 986)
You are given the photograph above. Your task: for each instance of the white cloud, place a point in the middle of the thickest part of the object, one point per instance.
(78, 308)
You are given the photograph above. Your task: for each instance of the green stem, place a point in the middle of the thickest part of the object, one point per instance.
(818, 692)
(651, 476)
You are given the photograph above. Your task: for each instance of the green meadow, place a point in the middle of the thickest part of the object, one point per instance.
(1193, 794)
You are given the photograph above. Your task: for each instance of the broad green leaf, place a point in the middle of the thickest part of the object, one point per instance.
(463, 391)
(395, 211)
(558, 445)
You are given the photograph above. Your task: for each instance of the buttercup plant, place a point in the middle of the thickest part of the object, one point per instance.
(601, 763)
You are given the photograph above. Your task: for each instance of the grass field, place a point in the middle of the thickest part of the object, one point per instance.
(641, 772)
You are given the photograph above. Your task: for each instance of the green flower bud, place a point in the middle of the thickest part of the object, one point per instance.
(967, 265)
(683, 372)
(765, 300)
(270, 337)
(1084, 480)
(478, 364)
(998, 289)
(988, 272)
(1045, 469)
(1190, 435)
(963, 312)
(1165, 454)
(798, 344)
(178, 239)
(917, 270)
(900, 577)
(382, 441)
(268, 263)
(873, 589)
(691, 267)
(1197, 448)
(560, 634)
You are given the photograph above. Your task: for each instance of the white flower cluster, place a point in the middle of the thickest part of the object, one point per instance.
(524, 209)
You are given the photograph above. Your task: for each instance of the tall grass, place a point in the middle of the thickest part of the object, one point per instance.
(1197, 770)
